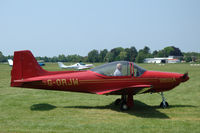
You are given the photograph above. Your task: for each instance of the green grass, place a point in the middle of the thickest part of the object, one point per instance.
(28, 110)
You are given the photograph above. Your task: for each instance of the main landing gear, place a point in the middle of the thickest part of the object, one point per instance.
(164, 104)
(126, 102)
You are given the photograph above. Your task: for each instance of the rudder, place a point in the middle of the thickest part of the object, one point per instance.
(25, 66)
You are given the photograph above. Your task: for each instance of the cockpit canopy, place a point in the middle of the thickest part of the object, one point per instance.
(119, 68)
(81, 63)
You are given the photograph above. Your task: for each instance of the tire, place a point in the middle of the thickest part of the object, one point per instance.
(117, 101)
(164, 106)
(124, 106)
(167, 104)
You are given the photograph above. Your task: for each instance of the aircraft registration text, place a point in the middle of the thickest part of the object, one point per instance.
(62, 82)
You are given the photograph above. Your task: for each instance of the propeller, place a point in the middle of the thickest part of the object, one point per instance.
(185, 77)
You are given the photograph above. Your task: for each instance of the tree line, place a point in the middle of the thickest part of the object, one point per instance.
(119, 53)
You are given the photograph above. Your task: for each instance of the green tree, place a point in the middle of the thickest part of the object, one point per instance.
(142, 54)
(191, 56)
(177, 51)
(109, 57)
(115, 52)
(62, 58)
(168, 51)
(131, 53)
(54, 59)
(46, 59)
(140, 57)
(146, 50)
(74, 58)
(102, 55)
(188, 58)
(160, 53)
(154, 54)
(2, 57)
(93, 56)
(123, 55)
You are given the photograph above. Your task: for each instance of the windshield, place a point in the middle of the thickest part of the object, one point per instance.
(118, 68)
(138, 71)
(81, 63)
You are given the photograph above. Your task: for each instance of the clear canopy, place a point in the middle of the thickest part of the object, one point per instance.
(81, 63)
(119, 68)
(138, 71)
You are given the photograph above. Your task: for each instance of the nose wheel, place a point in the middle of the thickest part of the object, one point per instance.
(164, 104)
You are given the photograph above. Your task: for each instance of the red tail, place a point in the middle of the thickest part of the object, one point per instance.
(25, 66)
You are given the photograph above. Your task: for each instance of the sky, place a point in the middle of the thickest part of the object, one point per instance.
(53, 27)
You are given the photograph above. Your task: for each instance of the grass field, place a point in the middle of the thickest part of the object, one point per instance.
(29, 110)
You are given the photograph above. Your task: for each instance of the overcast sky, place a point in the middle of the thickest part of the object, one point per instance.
(53, 27)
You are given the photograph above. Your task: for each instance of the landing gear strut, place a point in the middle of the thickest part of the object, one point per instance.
(126, 102)
(164, 103)
(124, 105)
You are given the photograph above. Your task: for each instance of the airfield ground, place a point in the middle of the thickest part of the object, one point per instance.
(29, 110)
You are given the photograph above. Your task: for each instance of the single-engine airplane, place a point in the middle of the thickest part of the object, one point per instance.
(78, 66)
(116, 78)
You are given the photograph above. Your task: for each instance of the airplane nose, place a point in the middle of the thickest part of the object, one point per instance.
(185, 77)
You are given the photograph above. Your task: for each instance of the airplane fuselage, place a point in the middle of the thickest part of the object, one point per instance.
(91, 82)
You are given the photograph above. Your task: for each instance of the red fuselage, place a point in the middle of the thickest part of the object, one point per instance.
(92, 82)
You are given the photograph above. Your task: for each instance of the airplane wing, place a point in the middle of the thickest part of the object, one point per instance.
(136, 89)
(75, 66)
(89, 65)
(82, 67)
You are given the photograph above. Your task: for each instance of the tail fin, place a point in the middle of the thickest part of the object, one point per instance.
(61, 65)
(25, 66)
(10, 62)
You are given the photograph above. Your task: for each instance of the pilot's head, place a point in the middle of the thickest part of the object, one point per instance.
(119, 66)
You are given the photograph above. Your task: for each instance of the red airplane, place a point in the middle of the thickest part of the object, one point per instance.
(116, 78)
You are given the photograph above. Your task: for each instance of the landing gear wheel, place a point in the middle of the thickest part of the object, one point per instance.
(117, 101)
(124, 106)
(164, 105)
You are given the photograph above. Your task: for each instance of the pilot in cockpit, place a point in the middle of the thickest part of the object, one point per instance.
(118, 70)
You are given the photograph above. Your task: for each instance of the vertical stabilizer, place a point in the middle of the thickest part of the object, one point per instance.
(10, 62)
(61, 65)
(25, 66)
